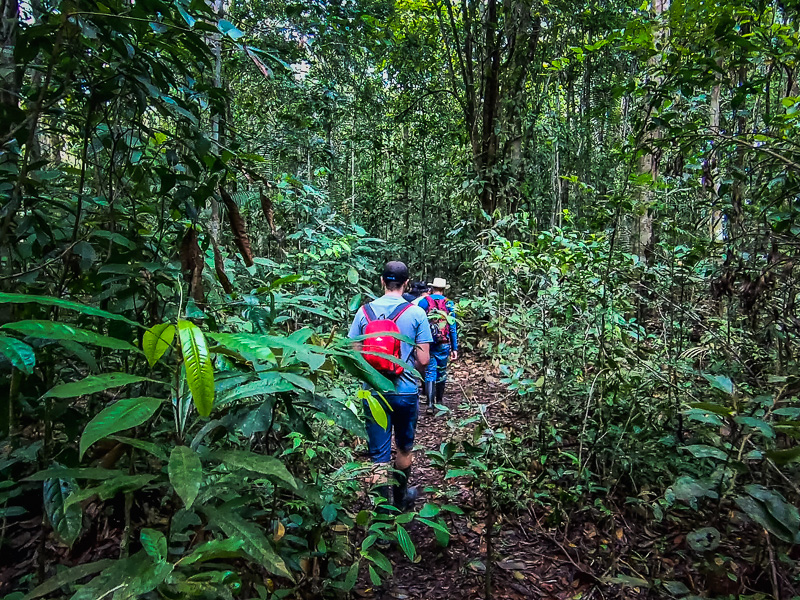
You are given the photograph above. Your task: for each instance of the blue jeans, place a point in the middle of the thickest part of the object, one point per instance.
(402, 418)
(437, 367)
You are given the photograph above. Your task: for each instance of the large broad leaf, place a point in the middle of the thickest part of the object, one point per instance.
(66, 519)
(782, 457)
(406, 544)
(18, 353)
(68, 576)
(81, 473)
(356, 365)
(252, 347)
(259, 419)
(269, 385)
(110, 488)
(126, 579)
(156, 341)
(61, 303)
(199, 368)
(341, 415)
(770, 510)
(52, 330)
(185, 473)
(94, 384)
(154, 543)
(214, 549)
(254, 541)
(259, 463)
(123, 414)
(721, 383)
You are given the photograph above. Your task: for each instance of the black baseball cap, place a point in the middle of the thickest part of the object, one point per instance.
(395, 271)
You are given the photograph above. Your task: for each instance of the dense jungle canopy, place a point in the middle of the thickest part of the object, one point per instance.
(197, 196)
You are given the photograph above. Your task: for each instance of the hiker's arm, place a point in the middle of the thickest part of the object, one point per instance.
(422, 356)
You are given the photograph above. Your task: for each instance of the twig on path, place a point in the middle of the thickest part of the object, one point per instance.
(569, 557)
(776, 590)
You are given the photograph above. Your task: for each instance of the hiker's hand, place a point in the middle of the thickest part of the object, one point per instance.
(454, 355)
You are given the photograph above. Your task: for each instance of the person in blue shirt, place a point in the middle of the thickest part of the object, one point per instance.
(442, 316)
(404, 403)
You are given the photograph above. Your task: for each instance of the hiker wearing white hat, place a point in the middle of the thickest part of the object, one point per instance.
(442, 318)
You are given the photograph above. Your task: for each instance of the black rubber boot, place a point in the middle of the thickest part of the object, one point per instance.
(440, 392)
(404, 496)
(429, 395)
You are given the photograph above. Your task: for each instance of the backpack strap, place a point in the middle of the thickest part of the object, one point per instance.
(399, 311)
(369, 314)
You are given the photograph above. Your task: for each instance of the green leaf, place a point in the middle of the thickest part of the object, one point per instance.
(262, 387)
(110, 488)
(64, 473)
(406, 544)
(459, 473)
(351, 578)
(258, 463)
(61, 303)
(51, 330)
(721, 383)
(123, 414)
(712, 407)
(375, 408)
(68, 576)
(453, 509)
(339, 412)
(770, 510)
(298, 381)
(18, 353)
(329, 513)
(352, 276)
(355, 303)
(154, 543)
(373, 576)
(439, 529)
(784, 457)
(156, 341)
(95, 383)
(214, 549)
(252, 347)
(254, 542)
(190, 20)
(185, 473)
(158, 451)
(66, 520)
(704, 451)
(229, 29)
(126, 579)
(429, 510)
(379, 559)
(199, 368)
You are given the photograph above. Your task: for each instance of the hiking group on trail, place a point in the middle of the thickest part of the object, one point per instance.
(427, 317)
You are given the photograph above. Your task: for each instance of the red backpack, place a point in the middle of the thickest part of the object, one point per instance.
(437, 318)
(383, 344)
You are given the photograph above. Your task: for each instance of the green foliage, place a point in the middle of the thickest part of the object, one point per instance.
(123, 414)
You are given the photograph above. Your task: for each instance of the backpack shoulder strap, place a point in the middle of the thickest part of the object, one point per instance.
(369, 314)
(399, 311)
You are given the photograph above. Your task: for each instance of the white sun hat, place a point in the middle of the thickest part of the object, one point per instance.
(439, 282)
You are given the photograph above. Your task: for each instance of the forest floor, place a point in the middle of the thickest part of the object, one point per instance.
(529, 561)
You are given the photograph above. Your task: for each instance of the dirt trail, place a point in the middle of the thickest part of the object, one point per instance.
(524, 565)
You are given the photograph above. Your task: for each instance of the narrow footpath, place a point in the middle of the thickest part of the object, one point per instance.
(528, 561)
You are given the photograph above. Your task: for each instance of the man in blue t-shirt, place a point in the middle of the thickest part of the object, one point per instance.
(404, 402)
(442, 313)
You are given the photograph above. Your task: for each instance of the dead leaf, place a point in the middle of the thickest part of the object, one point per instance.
(279, 532)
